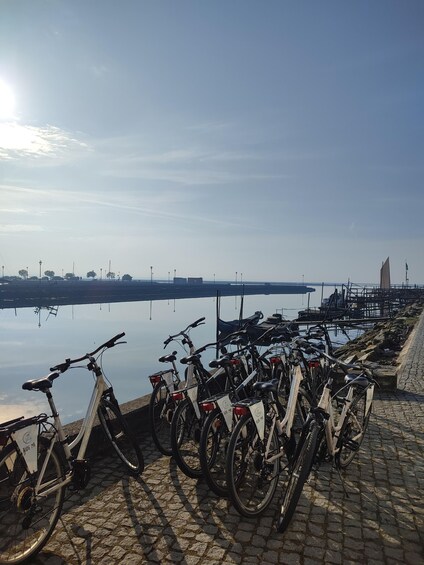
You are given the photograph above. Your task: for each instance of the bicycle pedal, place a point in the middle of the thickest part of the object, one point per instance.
(351, 444)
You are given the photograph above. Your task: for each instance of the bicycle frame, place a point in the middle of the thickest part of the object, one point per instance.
(332, 430)
(82, 438)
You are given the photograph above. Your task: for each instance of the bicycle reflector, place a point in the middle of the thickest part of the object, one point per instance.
(235, 361)
(177, 395)
(275, 360)
(207, 406)
(155, 379)
(240, 410)
(313, 363)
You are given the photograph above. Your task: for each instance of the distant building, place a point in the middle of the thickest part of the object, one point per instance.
(180, 280)
(195, 280)
(188, 280)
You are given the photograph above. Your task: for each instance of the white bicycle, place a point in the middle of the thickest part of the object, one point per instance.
(37, 463)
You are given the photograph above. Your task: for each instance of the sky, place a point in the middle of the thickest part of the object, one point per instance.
(269, 140)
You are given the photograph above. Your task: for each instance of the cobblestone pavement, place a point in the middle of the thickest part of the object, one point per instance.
(165, 517)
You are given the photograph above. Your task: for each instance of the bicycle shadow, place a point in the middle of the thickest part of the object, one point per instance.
(71, 532)
(155, 532)
(220, 522)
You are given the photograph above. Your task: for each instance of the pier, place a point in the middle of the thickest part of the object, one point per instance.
(45, 293)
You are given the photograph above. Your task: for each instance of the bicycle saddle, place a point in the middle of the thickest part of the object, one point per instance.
(358, 380)
(41, 384)
(167, 358)
(267, 386)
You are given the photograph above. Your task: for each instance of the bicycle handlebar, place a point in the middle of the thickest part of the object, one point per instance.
(62, 367)
(183, 332)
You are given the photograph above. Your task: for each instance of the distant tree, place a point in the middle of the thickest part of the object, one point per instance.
(23, 273)
(49, 274)
(110, 275)
(91, 275)
(70, 276)
(126, 277)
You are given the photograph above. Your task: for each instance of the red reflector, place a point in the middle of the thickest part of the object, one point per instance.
(240, 410)
(275, 360)
(235, 361)
(155, 379)
(313, 364)
(178, 395)
(207, 406)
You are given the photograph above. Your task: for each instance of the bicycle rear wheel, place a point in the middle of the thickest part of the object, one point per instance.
(298, 475)
(185, 439)
(251, 476)
(353, 431)
(214, 441)
(161, 411)
(27, 519)
(118, 433)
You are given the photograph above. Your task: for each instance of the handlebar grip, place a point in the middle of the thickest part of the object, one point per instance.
(62, 367)
(197, 322)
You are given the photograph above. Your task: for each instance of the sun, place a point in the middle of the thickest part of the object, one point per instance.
(7, 101)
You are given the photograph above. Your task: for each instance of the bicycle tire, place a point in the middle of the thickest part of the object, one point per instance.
(185, 439)
(298, 475)
(352, 431)
(26, 523)
(214, 440)
(161, 411)
(250, 480)
(122, 440)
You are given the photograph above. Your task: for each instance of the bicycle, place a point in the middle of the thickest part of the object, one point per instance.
(188, 419)
(220, 420)
(327, 436)
(265, 434)
(162, 405)
(37, 463)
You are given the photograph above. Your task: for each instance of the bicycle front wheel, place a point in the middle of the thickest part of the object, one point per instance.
(353, 431)
(27, 518)
(118, 433)
(252, 470)
(161, 411)
(298, 476)
(185, 439)
(214, 441)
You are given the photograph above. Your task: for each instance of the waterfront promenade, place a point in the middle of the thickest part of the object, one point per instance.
(165, 517)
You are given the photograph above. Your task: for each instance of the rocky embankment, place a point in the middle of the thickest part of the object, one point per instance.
(383, 343)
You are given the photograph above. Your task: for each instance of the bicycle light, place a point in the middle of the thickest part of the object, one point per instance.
(240, 410)
(155, 379)
(207, 406)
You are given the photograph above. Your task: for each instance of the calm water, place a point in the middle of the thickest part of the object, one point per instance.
(33, 342)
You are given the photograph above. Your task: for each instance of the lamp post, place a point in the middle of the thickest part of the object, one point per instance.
(40, 263)
(151, 274)
(2, 271)
(236, 277)
(241, 278)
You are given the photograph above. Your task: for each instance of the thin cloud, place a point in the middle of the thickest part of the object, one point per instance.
(22, 141)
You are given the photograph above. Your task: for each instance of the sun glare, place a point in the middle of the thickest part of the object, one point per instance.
(7, 101)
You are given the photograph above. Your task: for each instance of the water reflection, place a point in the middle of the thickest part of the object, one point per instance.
(31, 346)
